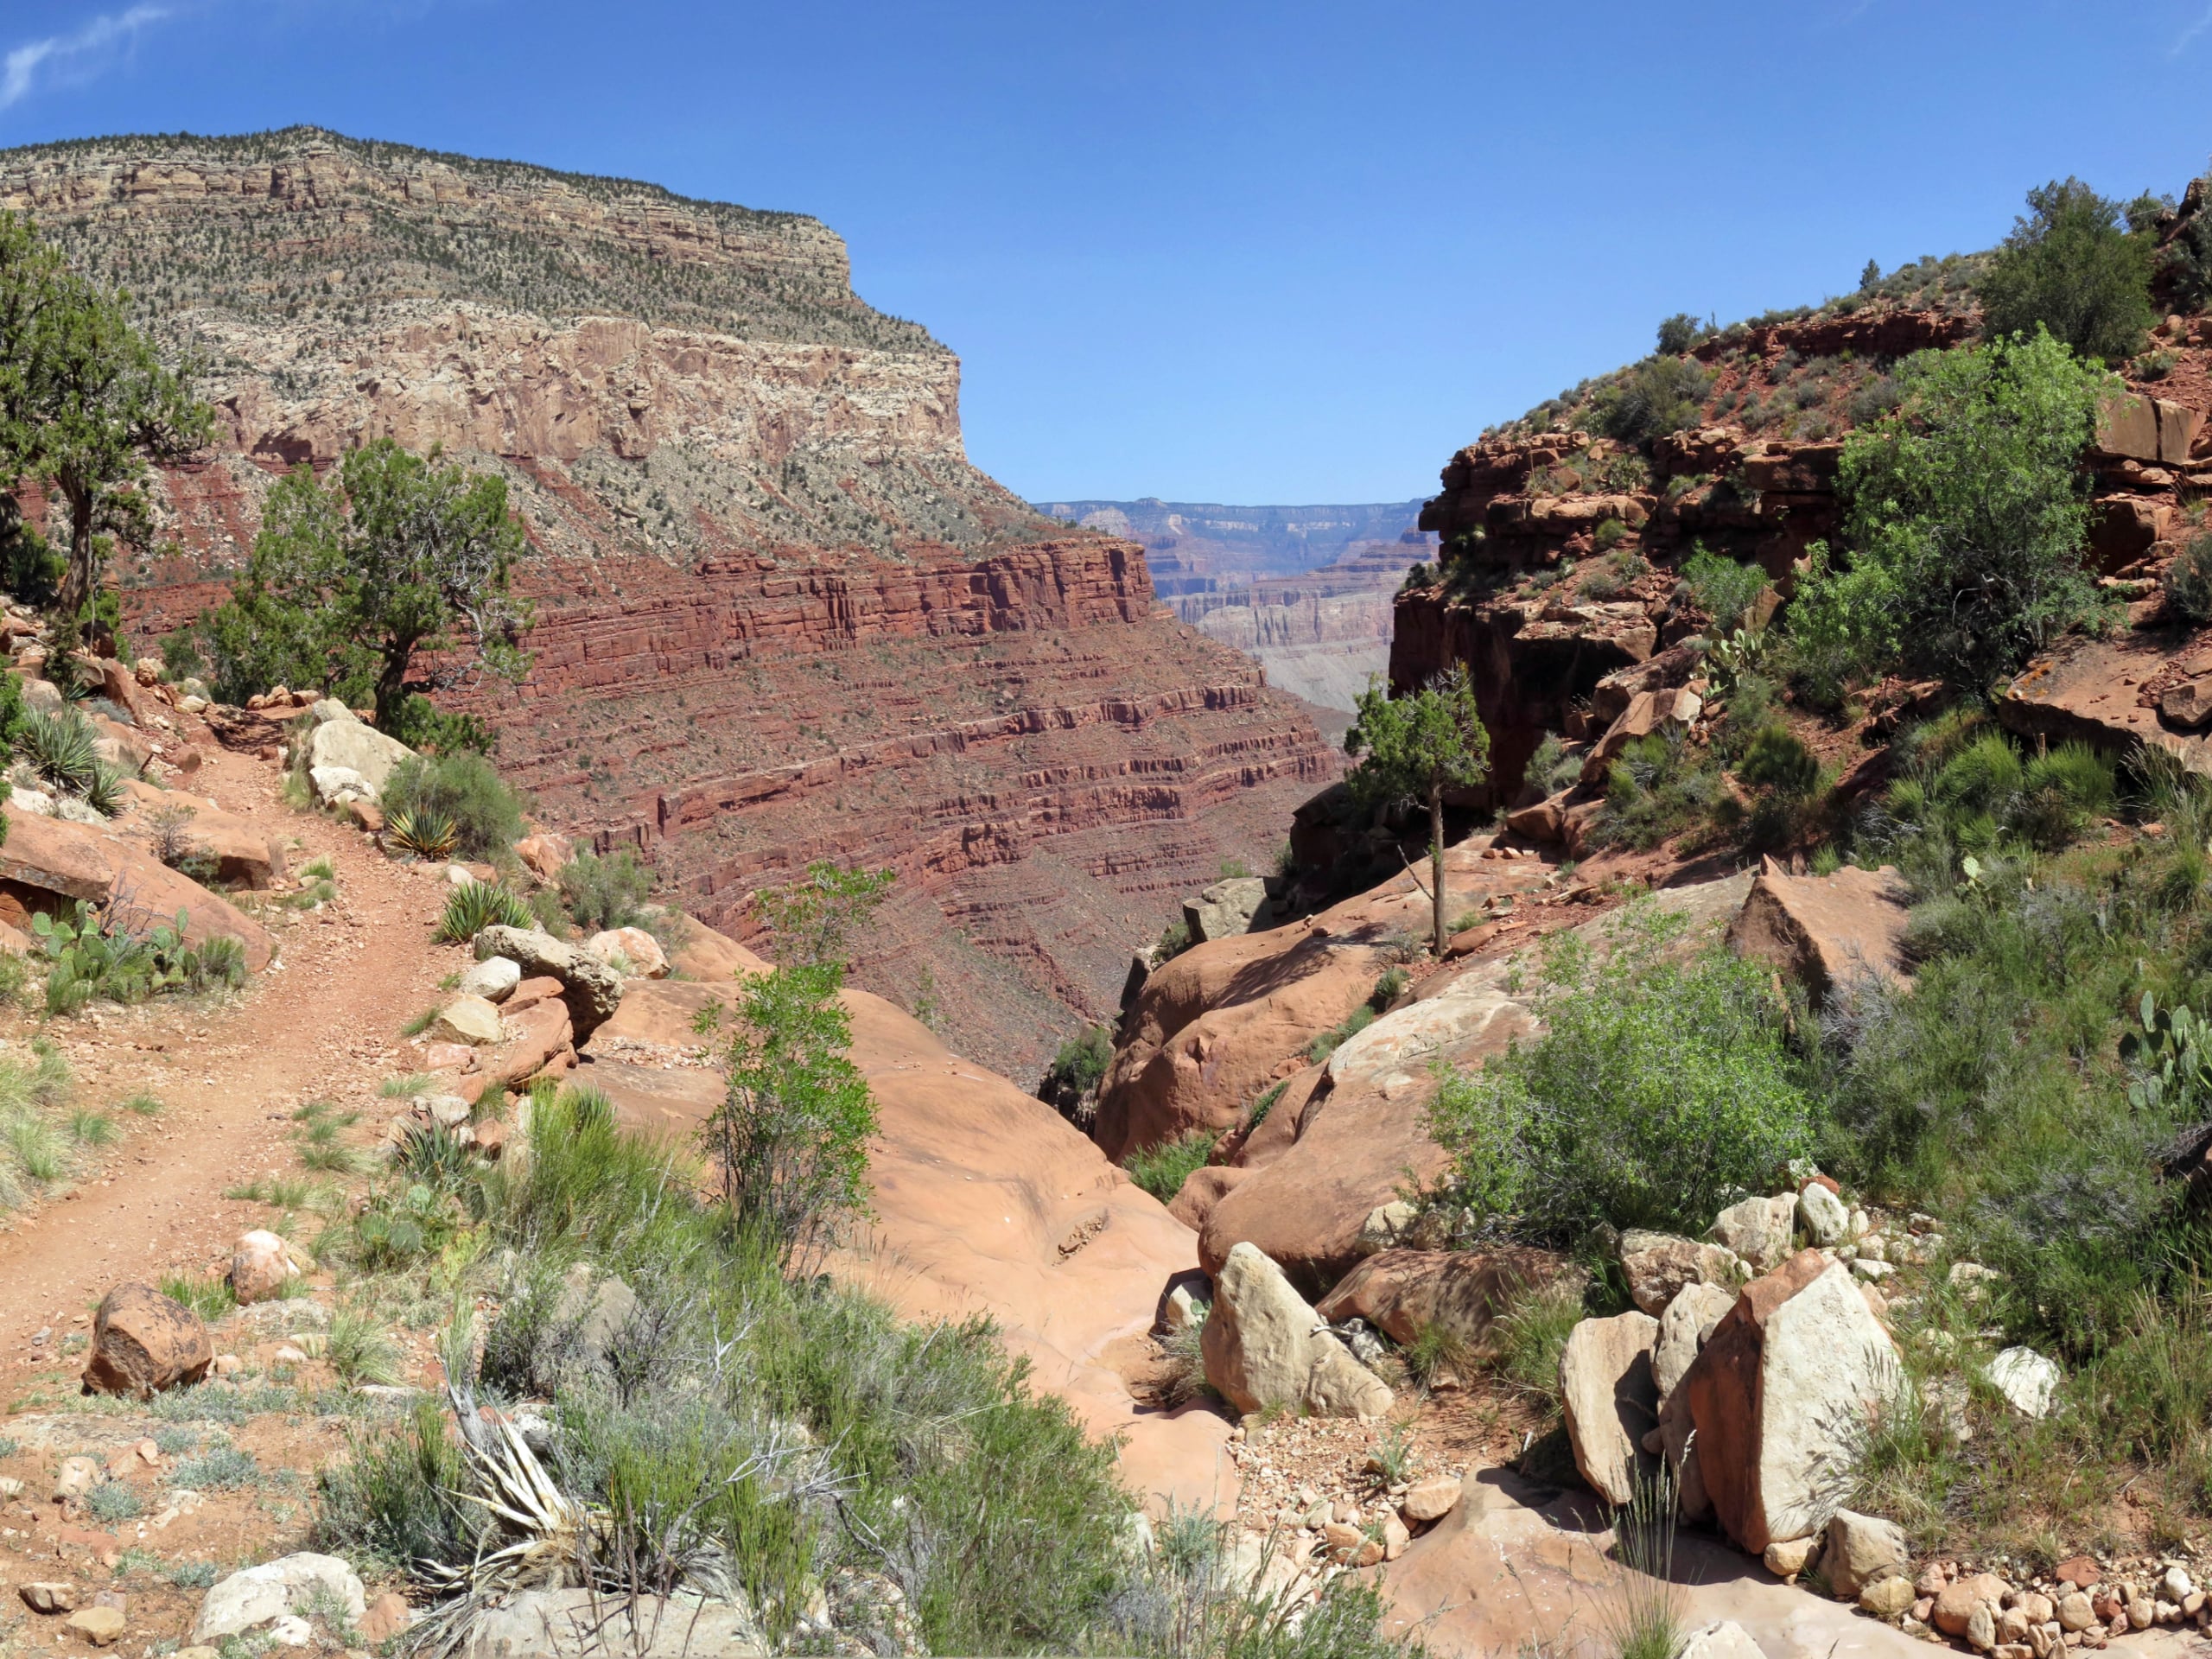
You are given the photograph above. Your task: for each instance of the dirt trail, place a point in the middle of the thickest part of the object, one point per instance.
(324, 1025)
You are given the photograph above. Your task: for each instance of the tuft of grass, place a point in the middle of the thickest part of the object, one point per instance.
(359, 1350)
(1525, 1341)
(143, 1104)
(222, 1468)
(1329, 1042)
(114, 1500)
(1437, 1351)
(92, 1128)
(37, 1149)
(209, 1296)
(421, 1023)
(1162, 1170)
(405, 1086)
(194, 1575)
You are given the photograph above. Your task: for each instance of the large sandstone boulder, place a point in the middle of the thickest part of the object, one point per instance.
(143, 1343)
(1225, 909)
(1401, 1293)
(1824, 931)
(1647, 712)
(261, 1595)
(337, 740)
(243, 852)
(1780, 1395)
(1611, 1402)
(587, 1624)
(592, 990)
(629, 951)
(544, 856)
(44, 860)
(1684, 1329)
(1264, 1345)
(2089, 689)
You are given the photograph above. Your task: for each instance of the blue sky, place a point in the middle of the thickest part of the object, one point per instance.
(1240, 253)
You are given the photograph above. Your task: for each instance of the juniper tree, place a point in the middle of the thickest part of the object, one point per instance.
(1415, 748)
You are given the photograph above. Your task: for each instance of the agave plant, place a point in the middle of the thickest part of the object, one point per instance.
(480, 905)
(60, 748)
(425, 834)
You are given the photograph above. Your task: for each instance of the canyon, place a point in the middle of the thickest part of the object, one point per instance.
(1305, 591)
(780, 615)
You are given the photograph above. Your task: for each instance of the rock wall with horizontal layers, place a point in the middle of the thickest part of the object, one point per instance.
(780, 617)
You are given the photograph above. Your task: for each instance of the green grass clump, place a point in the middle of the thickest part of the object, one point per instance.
(210, 1297)
(92, 1128)
(222, 1468)
(114, 1500)
(1349, 1027)
(1162, 1170)
(143, 1104)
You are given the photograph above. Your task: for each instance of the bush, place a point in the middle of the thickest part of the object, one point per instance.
(464, 791)
(2189, 580)
(1661, 1086)
(1659, 786)
(1778, 760)
(602, 892)
(1551, 768)
(2074, 267)
(1073, 1077)
(1162, 1170)
(1966, 514)
(475, 905)
(1658, 395)
(1722, 587)
(1679, 332)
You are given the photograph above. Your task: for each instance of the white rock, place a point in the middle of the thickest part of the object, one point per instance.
(1386, 1227)
(34, 801)
(1264, 1345)
(1725, 1640)
(260, 1595)
(1822, 1216)
(1758, 1229)
(630, 950)
(2028, 1381)
(1872, 1271)
(291, 1631)
(346, 744)
(1183, 1309)
(468, 1020)
(1610, 1400)
(1861, 1549)
(457, 875)
(2176, 1585)
(335, 784)
(492, 979)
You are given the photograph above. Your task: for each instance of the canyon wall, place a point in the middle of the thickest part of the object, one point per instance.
(780, 616)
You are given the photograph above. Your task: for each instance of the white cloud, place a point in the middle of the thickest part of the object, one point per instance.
(2180, 41)
(71, 56)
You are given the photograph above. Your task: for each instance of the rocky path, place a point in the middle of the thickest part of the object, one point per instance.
(229, 1072)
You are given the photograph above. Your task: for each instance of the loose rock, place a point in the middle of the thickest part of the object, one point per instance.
(2028, 1381)
(1611, 1401)
(1264, 1345)
(1758, 1229)
(260, 1595)
(1862, 1549)
(143, 1343)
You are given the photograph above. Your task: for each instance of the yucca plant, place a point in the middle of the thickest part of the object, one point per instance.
(60, 748)
(423, 834)
(480, 905)
(104, 790)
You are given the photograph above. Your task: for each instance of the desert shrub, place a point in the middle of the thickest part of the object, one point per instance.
(1162, 1170)
(126, 957)
(1349, 1027)
(222, 1468)
(1778, 760)
(208, 1295)
(1551, 768)
(462, 790)
(2074, 266)
(1605, 537)
(1077, 1069)
(2188, 581)
(394, 1502)
(1722, 587)
(1658, 396)
(360, 1349)
(114, 1500)
(1658, 786)
(1679, 332)
(602, 892)
(1661, 1085)
(1966, 513)
(475, 905)
(1525, 1341)
(1174, 939)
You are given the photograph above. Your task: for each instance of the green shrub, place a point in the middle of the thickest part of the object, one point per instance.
(58, 744)
(463, 789)
(2075, 267)
(221, 1468)
(1661, 1085)
(602, 892)
(1174, 939)
(1658, 395)
(1659, 786)
(1605, 538)
(475, 905)
(1679, 332)
(2188, 582)
(1778, 760)
(114, 1500)
(1162, 1170)
(210, 1295)
(1551, 768)
(1077, 1069)
(1722, 587)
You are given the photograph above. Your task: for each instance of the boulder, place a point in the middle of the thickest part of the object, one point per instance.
(337, 785)
(630, 946)
(1822, 1214)
(262, 1264)
(544, 856)
(1684, 1329)
(2028, 1381)
(1887, 1597)
(143, 1343)
(592, 990)
(2188, 705)
(47, 1596)
(468, 1020)
(1860, 1550)
(2144, 428)
(1658, 1265)
(337, 740)
(588, 1625)
(1611, 1401)
(1225, 908)
(260, 1595)
(1956, 1603)
(2087, 690)
(537, 1037)
(1780, 1394)
(1264, 1345)
(102, 1626)
(1647, 712)
(1758, 1229)
(1431, 1498)
(1824, 931)
(241, 852)
(1401, 1293)
(42, 858)
(493, 979)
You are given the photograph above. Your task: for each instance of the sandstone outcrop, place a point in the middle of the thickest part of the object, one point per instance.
(591, 990)
(1824, 931)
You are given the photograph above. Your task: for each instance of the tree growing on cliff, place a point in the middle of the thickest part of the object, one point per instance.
(2079, 266)
(85, 402)
(815, 918)
(1414, 748)
(394, 574)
